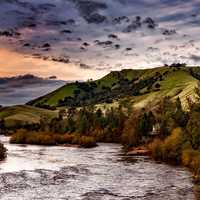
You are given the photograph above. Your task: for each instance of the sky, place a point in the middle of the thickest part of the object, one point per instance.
(84, 39)
(22, 89)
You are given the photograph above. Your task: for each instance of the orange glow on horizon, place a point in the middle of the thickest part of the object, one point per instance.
(13, 63)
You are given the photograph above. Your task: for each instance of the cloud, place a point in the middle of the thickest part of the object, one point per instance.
(195, 58)
(116, 25)
(21, 89)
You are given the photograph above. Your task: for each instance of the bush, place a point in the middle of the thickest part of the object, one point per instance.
(87, 142)
(64, 139)
(187, 156)
(131, 135)
(172, 146)
(19, 137)
(156, 149)
(170, 149)
(191, 159)
(37, 138)
(2, 152)
(193, 127)
(47, 138)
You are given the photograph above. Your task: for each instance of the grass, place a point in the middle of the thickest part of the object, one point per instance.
(176, 84)
(53, 97)
(61, 93)
(179, 84)
(24, 114)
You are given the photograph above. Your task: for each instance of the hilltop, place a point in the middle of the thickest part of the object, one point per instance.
(140, 86)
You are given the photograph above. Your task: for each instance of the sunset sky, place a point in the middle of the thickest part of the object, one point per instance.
(81, 39)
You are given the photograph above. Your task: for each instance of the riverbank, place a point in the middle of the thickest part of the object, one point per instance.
(138, 151)
(51, 139)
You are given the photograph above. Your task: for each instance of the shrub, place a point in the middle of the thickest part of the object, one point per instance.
(64, 139)
(2, 152)
(170, 149)
(187, 156)
(19, 137)
(193, 127)
(48, 138)
(156, 149)
(45, 139)
(172, 146)
(191, 159)
(87, 142)
(131, 134)
(195, 166)
(37, 138)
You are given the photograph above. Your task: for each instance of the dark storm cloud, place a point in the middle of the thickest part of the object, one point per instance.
(21, 89)
(195, 58)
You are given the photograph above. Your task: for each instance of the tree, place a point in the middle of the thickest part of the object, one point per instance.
(71, 124)
(84, 121)
(61, 114)
(44, 123)
(98, 119)
(146, 123)
(165, 116)
(127, 104)
(180, 116)
(193, 127)
(131, 134)
(58, 125)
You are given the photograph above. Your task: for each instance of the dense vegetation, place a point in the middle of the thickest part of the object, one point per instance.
(84, 127)
(48, 138)
(179, 138)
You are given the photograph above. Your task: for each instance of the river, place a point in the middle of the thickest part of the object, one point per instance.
(101, 173)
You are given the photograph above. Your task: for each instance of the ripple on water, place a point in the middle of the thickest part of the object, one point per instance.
(102, 173)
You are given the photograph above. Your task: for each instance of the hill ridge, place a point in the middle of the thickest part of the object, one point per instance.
(171, 81)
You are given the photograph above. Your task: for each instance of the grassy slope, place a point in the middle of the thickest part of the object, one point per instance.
(24, 114)
(175, 83)
(68, 89)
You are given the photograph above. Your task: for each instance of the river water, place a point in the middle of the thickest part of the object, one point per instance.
(101, 173)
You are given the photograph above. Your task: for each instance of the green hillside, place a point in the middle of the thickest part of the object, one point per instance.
(141, 86)
(24, 114)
